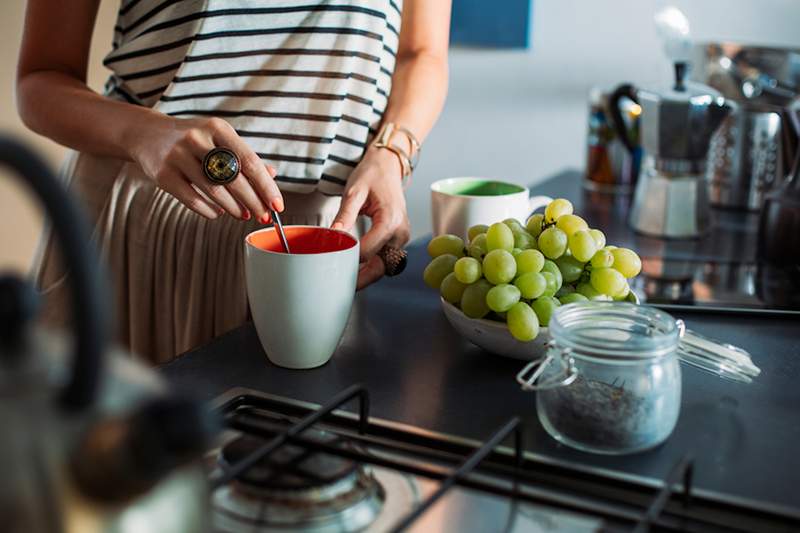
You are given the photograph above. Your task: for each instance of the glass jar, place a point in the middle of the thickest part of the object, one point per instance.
(610, 380)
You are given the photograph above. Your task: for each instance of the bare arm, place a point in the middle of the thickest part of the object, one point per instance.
(419, 87)
(54, 100)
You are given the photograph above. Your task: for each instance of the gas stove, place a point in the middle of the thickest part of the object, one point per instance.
(284, 465)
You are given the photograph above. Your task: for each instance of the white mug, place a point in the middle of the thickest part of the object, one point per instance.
(301, 301)
(459, 203)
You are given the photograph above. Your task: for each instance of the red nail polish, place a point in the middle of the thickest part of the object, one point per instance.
(246, 215)
(277, 205)
(265, 219)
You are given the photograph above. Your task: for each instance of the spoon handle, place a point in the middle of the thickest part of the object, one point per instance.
(279, 227)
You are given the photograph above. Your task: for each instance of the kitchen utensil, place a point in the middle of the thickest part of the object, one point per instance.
(671, 198)
(301, 301)
(494, 336)
(610, 382)
(779, 225)
(753, 151)
(110, 450)
(277, 221)
(458, 203)
(612, 161)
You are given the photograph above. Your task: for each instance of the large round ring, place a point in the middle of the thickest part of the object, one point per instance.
(394, 259)
(221, 165)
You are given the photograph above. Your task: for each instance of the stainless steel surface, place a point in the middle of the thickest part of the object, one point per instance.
(745, 159)
(276, 219)
(671, 206)
(744, 72)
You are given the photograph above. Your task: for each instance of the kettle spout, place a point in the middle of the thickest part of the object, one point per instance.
(719, 109)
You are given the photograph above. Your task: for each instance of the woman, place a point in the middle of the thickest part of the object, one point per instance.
(296, 90)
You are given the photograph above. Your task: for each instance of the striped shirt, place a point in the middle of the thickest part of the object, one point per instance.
(305, 84)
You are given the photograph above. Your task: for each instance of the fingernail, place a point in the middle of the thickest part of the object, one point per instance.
(246, 215)
(272, 171)
(221, 211)
(265, 219)
(337, 225)
(277, 205)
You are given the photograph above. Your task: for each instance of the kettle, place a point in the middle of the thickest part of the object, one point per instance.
(91, 442)
(779, 222)
(676, 126)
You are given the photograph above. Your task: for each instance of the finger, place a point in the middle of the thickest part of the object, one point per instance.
(378, 236)
(370, 272)
(180, 188)
(401, 235)
(191, 167)
(352, 202)
(242, 190)
(252, 166)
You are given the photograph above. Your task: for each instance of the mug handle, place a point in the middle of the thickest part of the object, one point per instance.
(535, 202)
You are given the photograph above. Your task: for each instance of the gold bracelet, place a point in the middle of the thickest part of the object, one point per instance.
(407, 162)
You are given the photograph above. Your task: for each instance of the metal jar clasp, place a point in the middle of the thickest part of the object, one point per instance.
(529, 383)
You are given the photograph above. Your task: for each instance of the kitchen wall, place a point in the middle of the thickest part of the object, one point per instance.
(518, 115)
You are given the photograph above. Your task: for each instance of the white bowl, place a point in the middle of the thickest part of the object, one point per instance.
(494, 336)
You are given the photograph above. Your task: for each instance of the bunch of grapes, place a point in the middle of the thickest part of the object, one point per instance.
(521, 274)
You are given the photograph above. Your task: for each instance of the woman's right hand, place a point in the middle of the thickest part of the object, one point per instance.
(171, 152)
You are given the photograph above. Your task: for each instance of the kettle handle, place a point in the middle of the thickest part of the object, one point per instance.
(615, 114)
(89, 311)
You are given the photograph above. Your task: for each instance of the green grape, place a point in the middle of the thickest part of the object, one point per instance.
(626, 262)
(550, 284)
(590, 292)
(553, 242)
(534, 224)
(502, 297)
(529, 261)
(564, 290)
(473, 301)
(569, 224)
(499, 237)
(437, 269)
(607, 281)
(544, 307)
(468, 270)
(476, 230)
(499, 267)
(452, 289)
(582, 245)
(523, 240)
(522, 322)
(573, 297)
(571, 269)
(531, 285)
(557, 209)
(609, 247)
(514, 225)
(516, 251)
(602, 259)
(623, 294)
(446, 244)
(552, 268)
(599, 238)
(477, 248)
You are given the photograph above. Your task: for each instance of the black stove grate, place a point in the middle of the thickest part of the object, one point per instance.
(623, 504)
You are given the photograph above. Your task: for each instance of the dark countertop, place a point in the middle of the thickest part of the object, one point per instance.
(419, 371)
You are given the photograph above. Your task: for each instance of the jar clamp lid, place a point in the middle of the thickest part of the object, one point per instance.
(627, 333)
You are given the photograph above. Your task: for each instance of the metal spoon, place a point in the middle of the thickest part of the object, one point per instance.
(276, 220)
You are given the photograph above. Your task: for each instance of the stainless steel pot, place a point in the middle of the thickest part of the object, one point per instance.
(753, 151)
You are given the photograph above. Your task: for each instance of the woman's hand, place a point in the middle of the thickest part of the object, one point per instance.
(171, 152)
(375, 189)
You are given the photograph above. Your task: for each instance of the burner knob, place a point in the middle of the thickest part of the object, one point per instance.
(119, 459)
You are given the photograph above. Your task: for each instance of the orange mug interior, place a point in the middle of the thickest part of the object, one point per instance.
(303, 240)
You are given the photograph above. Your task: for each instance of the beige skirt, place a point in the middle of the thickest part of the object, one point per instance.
(177, 278)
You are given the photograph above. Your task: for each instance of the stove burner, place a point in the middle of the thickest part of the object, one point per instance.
(295, 487)
(289, 467)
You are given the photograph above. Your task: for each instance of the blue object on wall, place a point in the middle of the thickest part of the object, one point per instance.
(492, 24)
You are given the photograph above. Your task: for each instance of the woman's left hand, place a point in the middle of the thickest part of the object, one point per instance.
(375, 189)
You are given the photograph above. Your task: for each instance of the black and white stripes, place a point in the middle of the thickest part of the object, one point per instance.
(304, 83)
